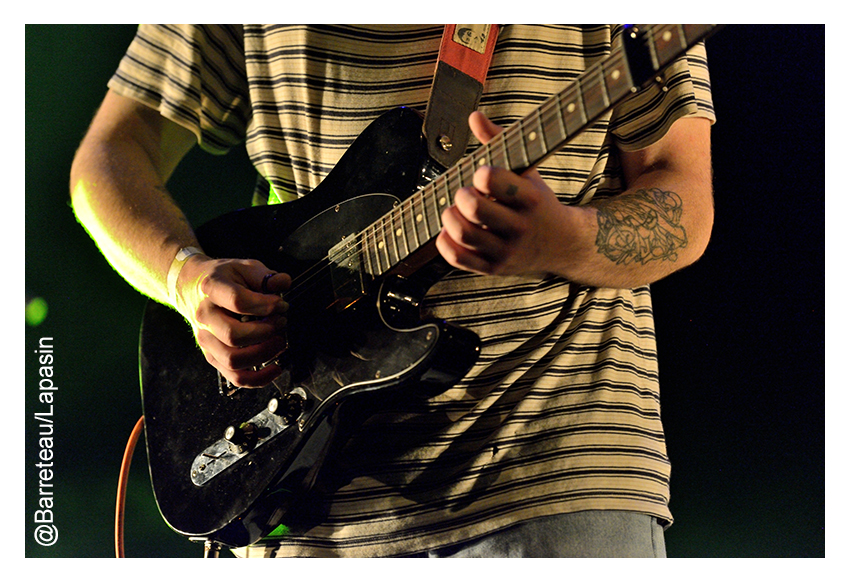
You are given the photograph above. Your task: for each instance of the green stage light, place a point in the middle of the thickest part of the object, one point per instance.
(36, 311)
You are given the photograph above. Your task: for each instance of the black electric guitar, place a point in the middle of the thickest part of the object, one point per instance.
(227, 464)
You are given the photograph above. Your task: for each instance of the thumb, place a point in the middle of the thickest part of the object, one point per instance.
(481, 126)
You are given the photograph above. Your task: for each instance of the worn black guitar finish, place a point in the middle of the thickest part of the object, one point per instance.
(227, 464)
(350, 331)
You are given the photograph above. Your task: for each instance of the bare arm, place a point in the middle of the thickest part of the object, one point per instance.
(118, 193)
(512, 225)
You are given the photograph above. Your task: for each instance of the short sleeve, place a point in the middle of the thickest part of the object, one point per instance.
(684, 91)
(193, 75)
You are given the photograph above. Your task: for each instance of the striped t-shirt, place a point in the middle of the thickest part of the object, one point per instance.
(561, 411)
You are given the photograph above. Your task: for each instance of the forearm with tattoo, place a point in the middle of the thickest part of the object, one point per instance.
(641, 227)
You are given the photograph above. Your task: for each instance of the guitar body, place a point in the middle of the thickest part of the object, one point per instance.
(349, 334)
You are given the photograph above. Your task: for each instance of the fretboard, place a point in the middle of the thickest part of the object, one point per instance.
(416, 221)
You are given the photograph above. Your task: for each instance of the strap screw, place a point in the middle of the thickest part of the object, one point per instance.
(445, 143)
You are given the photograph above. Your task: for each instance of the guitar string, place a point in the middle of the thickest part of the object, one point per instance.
(358, 248)
(458, 176)
(499, 149)
(511, 140)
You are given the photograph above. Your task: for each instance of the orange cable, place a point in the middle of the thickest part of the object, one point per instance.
(122, 487)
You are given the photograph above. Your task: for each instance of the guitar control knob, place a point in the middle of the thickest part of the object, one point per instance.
(242, 437)
(289, 406)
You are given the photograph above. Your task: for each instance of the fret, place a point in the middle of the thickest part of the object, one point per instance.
(553, 122)
(593, 92)
(667, 43)
(374, 249)
(410, 222)
(390, 239)
(499, 153)
(572, 107)
(535, 139)
(364, 252)
(379, 254)
(452, 181)
(383, 246)
(522, 139)
(618, 78)
(517, 159)
(421, 217)
(446, 197)
(467, 171)
(434, 209)
(692, 32)
(481, 157)
(398, 234)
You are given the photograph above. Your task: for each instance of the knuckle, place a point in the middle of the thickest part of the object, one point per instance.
(237, 301)
(228, 336)
(231, 361)
(210, 359)
(238, 377)
(467, 237)
(471, 206)
(198, 314)
(484, 176)
(208, 283)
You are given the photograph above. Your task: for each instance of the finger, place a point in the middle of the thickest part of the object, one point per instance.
(253, 378)
(237, 289)
(274, 283)
(249, 377)
(483, 211)
(243, 367)
(231, 358)
(501, 185)
(237, 330)
(482, 128)
(460, 256)
(471, 237)
(257, 278)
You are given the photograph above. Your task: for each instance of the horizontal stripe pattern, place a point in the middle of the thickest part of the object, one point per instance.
(561, 412)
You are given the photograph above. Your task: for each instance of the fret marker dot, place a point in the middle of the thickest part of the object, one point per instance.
(398, 232)
(532, 136)
(667, 36)
(616, 74)
(380, 244)
(418, 218)
(571, 107)
(443, 201)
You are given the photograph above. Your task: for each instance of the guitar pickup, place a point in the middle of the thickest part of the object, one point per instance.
(345, 268)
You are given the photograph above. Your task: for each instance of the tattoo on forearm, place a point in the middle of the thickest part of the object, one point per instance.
(645, 226)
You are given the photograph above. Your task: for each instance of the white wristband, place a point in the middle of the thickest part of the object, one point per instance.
(176, 266)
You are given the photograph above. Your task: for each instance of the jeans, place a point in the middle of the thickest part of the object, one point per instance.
(585, 534)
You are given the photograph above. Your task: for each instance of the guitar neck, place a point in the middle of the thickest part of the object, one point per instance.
(416, 221)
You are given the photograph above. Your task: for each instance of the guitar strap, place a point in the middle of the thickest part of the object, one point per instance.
(465, 54)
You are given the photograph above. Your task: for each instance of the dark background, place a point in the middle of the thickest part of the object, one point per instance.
(741, 333)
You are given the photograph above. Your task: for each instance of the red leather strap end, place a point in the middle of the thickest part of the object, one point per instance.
(466, 60)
